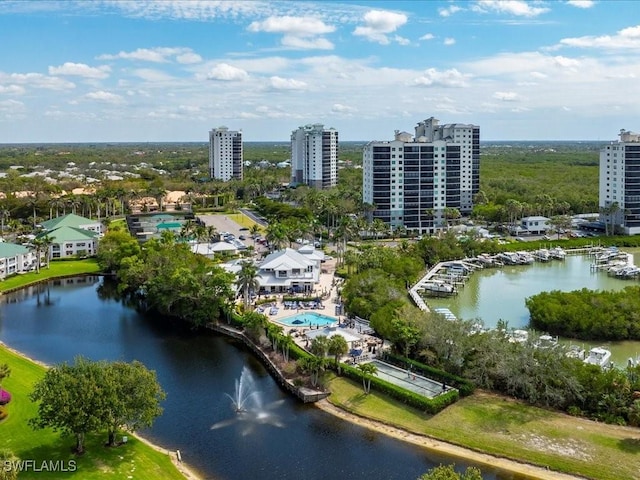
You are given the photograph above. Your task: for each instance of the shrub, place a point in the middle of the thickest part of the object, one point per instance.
(5, 397)
(427, 405)
(465, 387)
(3, 413)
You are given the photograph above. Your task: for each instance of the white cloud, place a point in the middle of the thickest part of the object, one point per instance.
(296, 26)
(227, 73)
(36, 80)
(449, 41)
(446, 78)
(188, 58)
(506, 96)
(401, 40)
(539, 75)
(81, 70)
(566, 62)
(12, 90)
(155, 55)
(11, 106)
(302, 43)
(340, 108)
(448, 11)
(152, 75)
(581, 3)
(299, 32)
(627, 38)
(427, 36)
(379, 23)
(519, 8)
(280, 83)
(105, 97)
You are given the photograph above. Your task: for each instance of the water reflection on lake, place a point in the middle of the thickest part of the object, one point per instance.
(500, 293)
(55, 322)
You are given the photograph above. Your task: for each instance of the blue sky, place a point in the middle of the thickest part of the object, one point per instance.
(108, 71)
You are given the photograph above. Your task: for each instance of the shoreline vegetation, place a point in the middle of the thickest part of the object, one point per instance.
(461, 430)
(46, 445)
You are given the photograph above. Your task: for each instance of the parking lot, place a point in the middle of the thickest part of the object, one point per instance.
(224, 224)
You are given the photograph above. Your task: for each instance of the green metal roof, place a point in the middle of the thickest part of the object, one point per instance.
(69, 220)
(68, 234)
(8, 250)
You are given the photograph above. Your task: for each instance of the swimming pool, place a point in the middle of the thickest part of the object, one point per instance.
(307, 319)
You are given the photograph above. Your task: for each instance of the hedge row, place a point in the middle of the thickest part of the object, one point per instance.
(412, 399)
(465, 387)
(428, 405)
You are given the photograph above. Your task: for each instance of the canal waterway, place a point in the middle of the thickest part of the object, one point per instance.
(495, 294)
(57, 321)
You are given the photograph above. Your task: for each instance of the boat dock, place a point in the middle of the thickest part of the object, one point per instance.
(446, 278)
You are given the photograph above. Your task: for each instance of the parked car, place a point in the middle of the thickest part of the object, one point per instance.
(242, 237)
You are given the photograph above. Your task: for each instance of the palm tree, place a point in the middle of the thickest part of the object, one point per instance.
(212, 233)
(320, 346)
(46, 241)
(38, 246)
(313, 365)
(276, 235)
(5, 214)
(247, 280)
(367, 370)
(337, 347)
(286, 342)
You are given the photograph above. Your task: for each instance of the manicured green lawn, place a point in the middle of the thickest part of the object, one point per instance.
(506, 428)
(242, 220)
(58, 268)
(131, 460)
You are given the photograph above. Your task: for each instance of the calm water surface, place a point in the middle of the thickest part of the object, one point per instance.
(56, 322)
(500, 293)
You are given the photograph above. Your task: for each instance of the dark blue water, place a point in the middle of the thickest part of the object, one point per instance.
(56, 322)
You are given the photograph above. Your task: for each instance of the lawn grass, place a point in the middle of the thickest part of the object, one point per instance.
(58, 268)
(507, 428)
(243, 220)
(134, 459)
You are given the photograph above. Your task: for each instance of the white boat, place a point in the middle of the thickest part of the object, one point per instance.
(519, 336)
(598, 356)
(446, 313)
(439, 286)
(525, 258)
(576, 351)
(630, 271)
(557, 253)
(547, 341)
(542, 255)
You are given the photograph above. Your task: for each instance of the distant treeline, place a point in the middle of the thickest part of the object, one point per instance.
(588, 314)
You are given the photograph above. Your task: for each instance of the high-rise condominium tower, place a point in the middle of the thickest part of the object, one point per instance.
(225, 154)
(415, 181)
(314, 156)
(620, 183)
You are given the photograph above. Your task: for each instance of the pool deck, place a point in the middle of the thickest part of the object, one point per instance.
(327, 289)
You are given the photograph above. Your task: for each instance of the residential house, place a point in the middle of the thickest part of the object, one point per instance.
(286, 271)
(71, 236)
(15, 259)
(75, 221)
(535, 225)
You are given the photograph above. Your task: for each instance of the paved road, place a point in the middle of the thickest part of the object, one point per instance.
(255, 217)
(224, 224)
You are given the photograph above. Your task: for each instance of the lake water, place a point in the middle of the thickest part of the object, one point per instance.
(58, 321)
(500, 293)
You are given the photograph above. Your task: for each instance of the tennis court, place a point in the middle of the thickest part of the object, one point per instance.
(409, 380)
